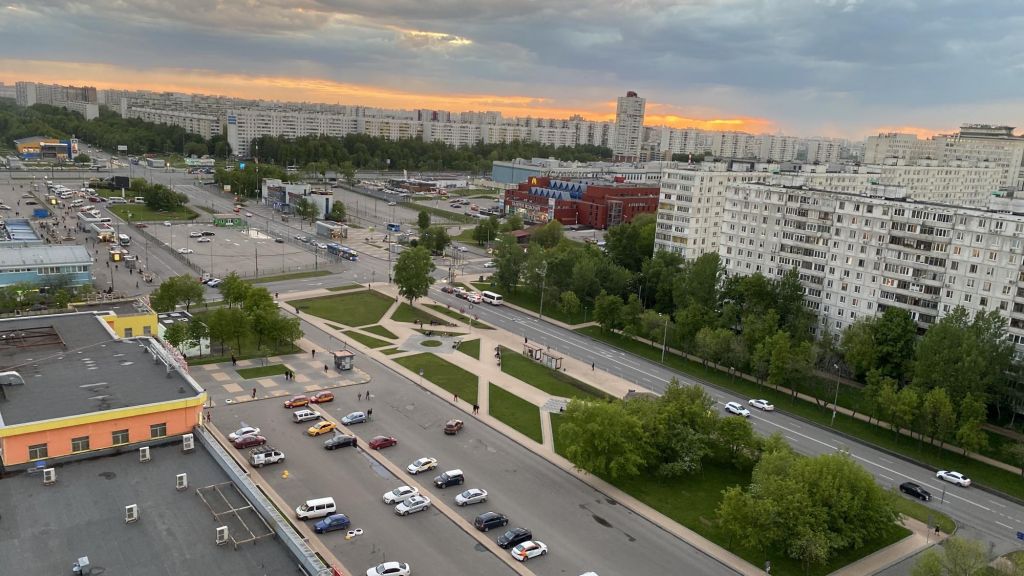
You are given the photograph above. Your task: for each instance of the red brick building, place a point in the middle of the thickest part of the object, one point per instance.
(594, 203)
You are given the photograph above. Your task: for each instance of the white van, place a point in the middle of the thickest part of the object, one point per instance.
(492, 298)
(140, 200)
(316, 508)
(305, 415)
(117, 200)
(77, 203)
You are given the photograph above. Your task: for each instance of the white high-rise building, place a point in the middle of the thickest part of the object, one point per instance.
(629, 127)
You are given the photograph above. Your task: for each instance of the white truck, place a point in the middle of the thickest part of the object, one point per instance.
(264, 455)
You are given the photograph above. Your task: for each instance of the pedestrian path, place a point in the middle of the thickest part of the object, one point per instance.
(488, 371)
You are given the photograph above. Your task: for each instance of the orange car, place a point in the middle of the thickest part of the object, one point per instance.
(296, 401)
(323, 396)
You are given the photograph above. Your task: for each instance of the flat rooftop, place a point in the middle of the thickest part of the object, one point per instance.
(72, 365)
(45, 529)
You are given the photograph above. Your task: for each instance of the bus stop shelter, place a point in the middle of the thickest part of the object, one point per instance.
(343, 359)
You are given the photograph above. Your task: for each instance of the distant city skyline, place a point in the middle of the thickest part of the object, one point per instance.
(833, 68)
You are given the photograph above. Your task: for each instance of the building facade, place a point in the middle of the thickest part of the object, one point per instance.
(629, 127)
(45, 265)
(204, 125)
(593, 203)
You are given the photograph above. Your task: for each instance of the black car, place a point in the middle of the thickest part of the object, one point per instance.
(279, 240)
(488, 520)
(514, 536)
(911, 489)
(449, 478)
(207, 233)
(340, 441)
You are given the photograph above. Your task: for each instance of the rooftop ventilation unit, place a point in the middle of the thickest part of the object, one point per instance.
(144, 454)
(222, 535)
(131, 513)
(188, 443)
(181, 481)
(49, 476)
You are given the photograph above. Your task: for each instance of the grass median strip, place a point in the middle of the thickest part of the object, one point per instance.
(406, 313)
(354, 309)
(350, 286)
(379, 331)
(292, 276)
(516, 412)
(551, 381)
(367, 340)
(471, 349)
(261, 371)
(460, 317)
(443, 373)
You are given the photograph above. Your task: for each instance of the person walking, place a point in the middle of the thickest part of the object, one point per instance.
(313, 352)
(253, 393)
(234, 361)
(367, 395)
(359, 396)
(456, 398)
(591, 366)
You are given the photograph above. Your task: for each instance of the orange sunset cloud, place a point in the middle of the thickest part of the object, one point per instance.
(309, 89)
(918, 131)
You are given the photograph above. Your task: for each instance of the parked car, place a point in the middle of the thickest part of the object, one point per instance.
(488, 520)
(340, 441)
(203, 240)
(248, 441)
(392, 204)
(761, 404)
(279, 240)
(305, 415)
(296, 401)
(529, 549)
(243, 431)
(471, 496)
(195, 234)
(422, 465)
(514, 536)
(322, 427)
(208, 233)
(390, 569)
(140, 226)
(449, 478)
(353, 418)
(264, 455)
(400, 494)
(953, 477)
(911, 489)
(332, 523)
(453, 426)
(186, 251)
(167, 222)
(737, 409)
(413, 504)
(248, 214)
(214, 282)
(321, 397)
(380, 442)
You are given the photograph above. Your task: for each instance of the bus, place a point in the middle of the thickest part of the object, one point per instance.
(492, 298)
(393, 227)
(124, 239)
(349, 254)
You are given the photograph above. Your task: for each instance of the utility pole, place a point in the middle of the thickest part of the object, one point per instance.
(256, 249)
(543, 286)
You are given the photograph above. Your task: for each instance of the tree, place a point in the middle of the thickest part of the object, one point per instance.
(177, 290)
(895, 336)
(218, 323)
(304, 208)
(630, 243)
(513, 223)
(348, 172)
(858, 345)
(337, 213)
(630, 315)
(412, 273)
(939, 415)
(423, 219)
(509, 260)
(82, 159)
(486, 231)
(569, 303)
(197, 332)
(548, 235)
(958, 557)
(435, 239)
(599, 437)
(905, 411)
(608, 311)
(233, 289)
(970, 434)
(176, 334)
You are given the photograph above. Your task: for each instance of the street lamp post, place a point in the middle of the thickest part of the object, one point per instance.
(664, 340)
(836, 400)
(543, 286)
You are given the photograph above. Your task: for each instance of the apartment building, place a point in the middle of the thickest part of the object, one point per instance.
(860, 254)
(822, 151)
(204, 125)
(81, 99)
(520, 170)
(629, 127)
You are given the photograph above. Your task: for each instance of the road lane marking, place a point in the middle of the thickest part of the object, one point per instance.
(998, 504)
(1004, 525)
(887, 478)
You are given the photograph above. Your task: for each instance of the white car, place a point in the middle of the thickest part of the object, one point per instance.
(463, 249)
(321, 246)
(953, 477)
(471, 496)
(761, 404)
(214, 282)
(475, 297)
(185, 251)
(243, 431)
(203, 240)
(167, 222)
(390, 569)
(422, 465)
(529, 549)
(413, 504)
(392, 204)
(400, 494)
(489, 264)
(195, 234)
(248, 214)
(737, 409)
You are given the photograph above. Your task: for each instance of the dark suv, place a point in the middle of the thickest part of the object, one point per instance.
(911, 489)
(488, 520)
(514, 536)
(449, 478)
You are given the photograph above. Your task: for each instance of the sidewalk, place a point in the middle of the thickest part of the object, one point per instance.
(488, 371)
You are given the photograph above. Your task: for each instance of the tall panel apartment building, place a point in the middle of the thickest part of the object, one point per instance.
(629, 127)
(858, 255)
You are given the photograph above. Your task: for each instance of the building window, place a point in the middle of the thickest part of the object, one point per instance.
(37, 452)
(127, 332)
(147, 330)
(80, 444)
(120, 437)
(158, 430)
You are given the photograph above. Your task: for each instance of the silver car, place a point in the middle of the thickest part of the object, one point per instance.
(400, 494)
(471, 496)
(354, 418)
(413, 504)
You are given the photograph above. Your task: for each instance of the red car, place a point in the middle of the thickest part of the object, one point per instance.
(379, 442)
(323, 396)
(249, 441)
(296, 401)
(140, 226)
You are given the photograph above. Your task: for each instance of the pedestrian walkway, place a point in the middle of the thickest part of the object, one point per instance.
(488, 371)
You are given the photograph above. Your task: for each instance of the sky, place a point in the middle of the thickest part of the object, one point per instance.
(838, 68)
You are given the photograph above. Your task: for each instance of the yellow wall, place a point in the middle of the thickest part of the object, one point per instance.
(137, 322)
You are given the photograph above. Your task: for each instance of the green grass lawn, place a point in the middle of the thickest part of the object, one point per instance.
(551, 381)
(391, 351)
(292, 276)
(335, 326)
(380, 331)
(441, 213)
(909, 507)
(367, 340)
(693, 500)
(444, 374)
(261, 371)
(354, 309)
(406, 313)
(142, 213)
(350, 286)
(529, 300)
(460, 317)
(515, 412)
(246, 351)
(869, 433)
(471, 348)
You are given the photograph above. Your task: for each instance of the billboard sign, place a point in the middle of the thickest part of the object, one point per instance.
(122, 148)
